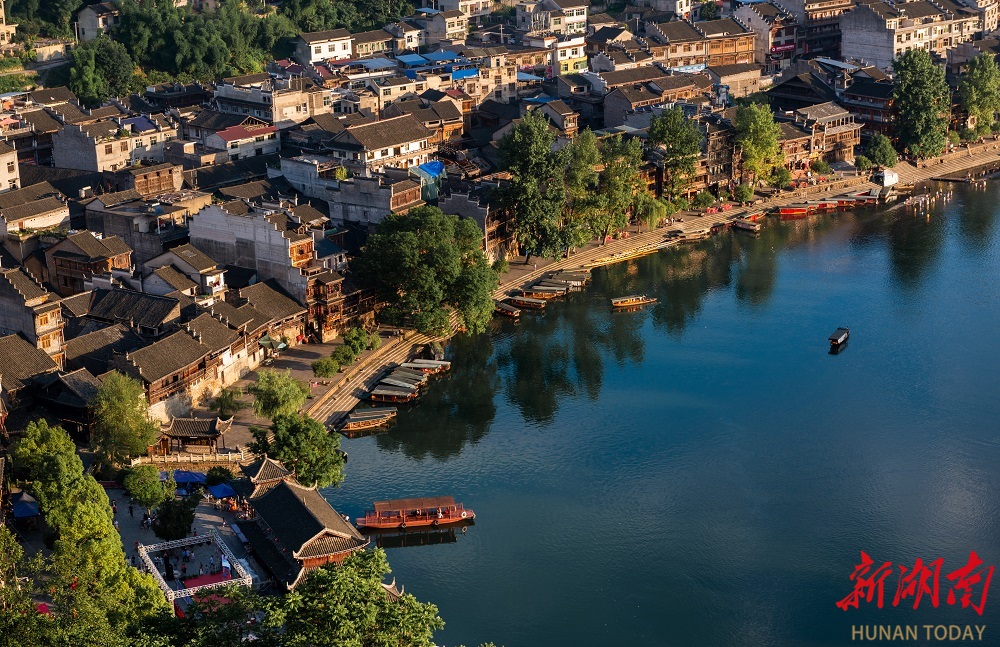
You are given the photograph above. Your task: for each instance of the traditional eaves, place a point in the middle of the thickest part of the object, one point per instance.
(269, 298)
(133, 308)
(174, 278)
(94, 249)
(209, 119)
(212, 333)
(167, 356)
(52, 96)
(386, 133)
(19, 282)
(21, 361)
(94, 350)
(196, 427)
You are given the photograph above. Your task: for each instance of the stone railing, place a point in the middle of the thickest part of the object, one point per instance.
(180, 458)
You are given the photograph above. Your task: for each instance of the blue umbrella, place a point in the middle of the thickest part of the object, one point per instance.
(221, 491)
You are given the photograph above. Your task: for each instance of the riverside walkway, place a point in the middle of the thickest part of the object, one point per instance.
(349, 392)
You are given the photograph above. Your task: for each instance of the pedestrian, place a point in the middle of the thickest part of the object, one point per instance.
(184, 570)
(114, 508)
(211, 563)
(130, 510)
(201, 569)
(116, 524)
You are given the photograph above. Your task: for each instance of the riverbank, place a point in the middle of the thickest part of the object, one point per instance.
(349, 392)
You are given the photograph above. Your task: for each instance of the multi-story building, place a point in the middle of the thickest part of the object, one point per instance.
(10, 175)
(443, 118)
(97, 19)
(194, 265)
(399, 142)
(442, 27)
(112, 144)
(876, 32)
(729, 42)
(240, 142)
(820, 20)
(474, 10)
(551, 16)
(366, 201)
(776, 34)
(313, 47)
(833, 133)
(372, 43)
(29, 309)
(280, 102)
(677, 45)
(7, 30)
(27, 212)
(82, 255)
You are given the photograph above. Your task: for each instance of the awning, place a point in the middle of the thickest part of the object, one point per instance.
(266, 342)
(524, 76)
(221, 491)
(183, 476)
(25, 505)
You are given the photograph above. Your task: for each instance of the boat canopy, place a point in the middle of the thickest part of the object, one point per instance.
(414, 504)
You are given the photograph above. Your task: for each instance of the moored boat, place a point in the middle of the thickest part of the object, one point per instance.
(507, 310)
(632, 300)
(415, 513)
(368, 419)
(384, 393)
(527, 302)
(746, 225)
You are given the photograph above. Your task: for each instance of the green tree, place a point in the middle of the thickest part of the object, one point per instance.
(820, 166)
(174, 518)
(304, 446)
(100, 69)
(426, 261)
(122, 427)
(277, 393)
(781, 177)
(881, 152)
(218, 474)
(357, 340)
(743, 193)
(678, 140)
(583, 157)
(979, 89)
(145, 486)
(922, 103)
(709, 10)
(234, 623)
(703, 199)
(757, 139)
(325, 367)
(536, 194)
(227, 403)
(18, 618)
(619, 186)
(862, 164)
(343, 355)
(650, 211)
(347, 605)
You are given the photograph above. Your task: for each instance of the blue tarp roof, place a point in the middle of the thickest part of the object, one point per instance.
(540, 99)
(24, 505)
(140, 124)
(411, 59)
(377, 63)
(432, 169)
(524, 76)
(443, 56)
(464, 74)
(221, 491)
(183, 476)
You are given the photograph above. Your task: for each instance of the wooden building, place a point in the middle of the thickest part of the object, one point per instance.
(192, 435)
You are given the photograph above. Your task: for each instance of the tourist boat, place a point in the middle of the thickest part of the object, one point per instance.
(694, 236)
(507, 310)
(822, 206)
(746, 225)
(415, 513)
(793, 211)
(752, 216)
(384, 393)
(424, 368)
(441, 364)
(839, 336)
(543, 292)
(368, 419)
(632, 300)
(527, 302)
(719, 227)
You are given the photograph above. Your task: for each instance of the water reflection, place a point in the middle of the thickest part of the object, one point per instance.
(977, 218)
(452, 412)
(397, 539)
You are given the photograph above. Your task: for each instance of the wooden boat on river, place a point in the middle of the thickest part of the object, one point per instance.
(415, 513)
(423, 368)
(539, 292)
(632, 300)
(443, 365)
(507, 310)
(839, 336)
(527, 302)
(388, 393)
(746, 225)
(363, 419)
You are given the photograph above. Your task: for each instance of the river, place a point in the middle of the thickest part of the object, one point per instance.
(702, 471)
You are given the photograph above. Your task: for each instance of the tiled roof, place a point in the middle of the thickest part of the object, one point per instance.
(269, 298)
(257, 189)
(265, 469)
(298, 516)
(93, 248)
(194, 257)
(285, 569)
(243, 316)
(93, 351)
(320, 36)
(387, 133)
(20, 361)
(174, 278)
(119, 197)
(822, 111)
(560, 107)
(373, 36)
(133, 308)
(81, 383)
(723, 27)
(26, 194)
(308, 213)
(51, 96)
(212, 333)
(167, 356)
(630, 77)
(678, 31)
(36, 208)
(571, 4)
(247, 79)
(209, 119)
(731, 70)
(77, 305)
(41, 121)
(237, 133)
(22, 284)
(197, 427)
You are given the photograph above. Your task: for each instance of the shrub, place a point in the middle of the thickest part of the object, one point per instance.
(968, 134)
(995, 127)
(682, 203)
(982, 130)
(723, 195)
(501, 266)
(374, 340)
(343, 355)
(781, 177)
(820, 166)
(704, 199)
(743, 193)
(954, 138)
(357, 340)
(326, 367)
(862, 163)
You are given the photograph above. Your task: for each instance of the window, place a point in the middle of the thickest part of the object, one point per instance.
(124, 147)
(318, 50)
(10, 167)
(234, 145)
(384, 152)
(387, 92)
(331, 47)
(152, 140)
(108, 149)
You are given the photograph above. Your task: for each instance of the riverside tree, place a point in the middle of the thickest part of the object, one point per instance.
(922, 103)
(426, 261)
(122, 427)
(619, 186)
(100, 69)
(536, 194)
(303, 445)
(227, 403)
(979, 89)
(757, 138)
(679, 142)
(581, 181)
(277, 393)
(880, 152)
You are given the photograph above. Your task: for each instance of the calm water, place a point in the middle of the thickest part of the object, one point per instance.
(703, 472)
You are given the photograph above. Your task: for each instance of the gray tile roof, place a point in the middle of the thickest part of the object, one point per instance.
(386, 133)
(21, 361)
(196, 427)
(93, 351)
(17, 281)
(93, 248)
(167, 356)
(27, 194)
(194, 257)
(174, 278)
(330, 34)
(271, 300)
(212, 333)
(133, 308)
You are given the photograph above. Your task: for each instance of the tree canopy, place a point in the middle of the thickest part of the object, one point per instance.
(757, 138)
(922, 103)
(425, 261)
(100, 69)
(619, 186)
(145, 486)
(277, 393)
(979, 89)
(303, 445)
(679, 142)
(881, 152)
(122, 427)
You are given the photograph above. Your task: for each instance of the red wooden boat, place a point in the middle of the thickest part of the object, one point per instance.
(416, 513)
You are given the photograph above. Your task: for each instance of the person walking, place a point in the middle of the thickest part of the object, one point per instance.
(130, 510)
